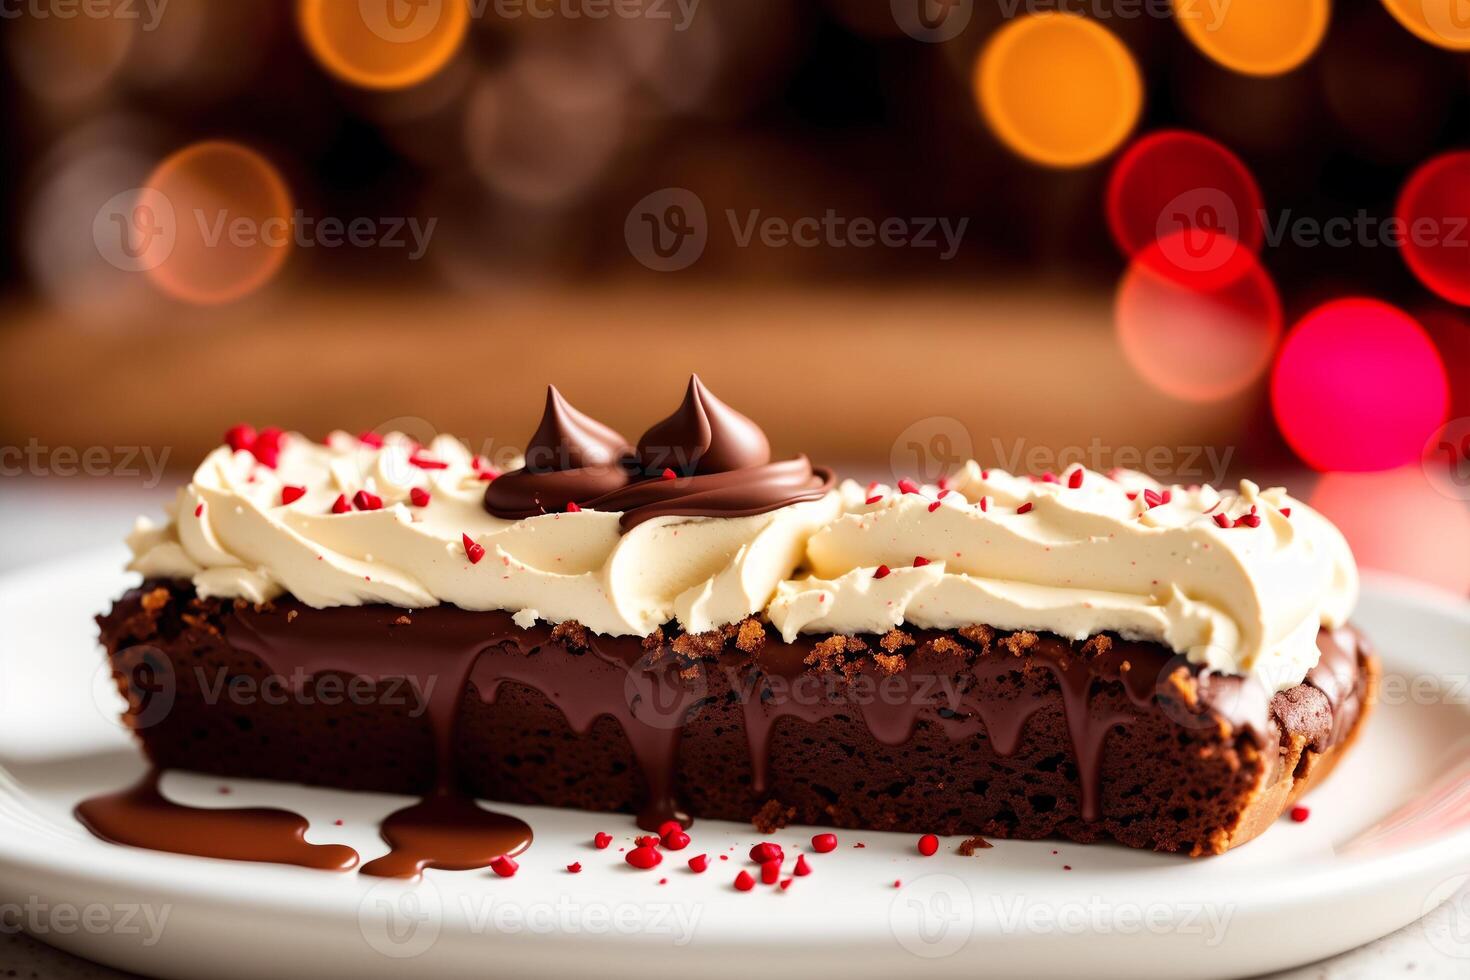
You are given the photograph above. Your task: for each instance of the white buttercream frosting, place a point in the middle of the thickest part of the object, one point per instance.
(231, 535)
(1105, 555)
(1102, 556)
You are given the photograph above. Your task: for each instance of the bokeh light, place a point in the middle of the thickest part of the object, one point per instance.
(1434, 211)
(1440, 22)
(67, 59)
(1058, 89)
(1358, 386)
(1396, 521)
(383, 45)
(1175, 181)
(231, 220)
(1255, 37)
(1198, 334)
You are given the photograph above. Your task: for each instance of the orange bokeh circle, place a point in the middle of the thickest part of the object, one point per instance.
(1256, 37)
(228, 218)
(1058, 89)
(1440, 22)
(383, 44)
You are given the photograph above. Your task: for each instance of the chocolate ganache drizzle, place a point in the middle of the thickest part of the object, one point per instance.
(705, 460)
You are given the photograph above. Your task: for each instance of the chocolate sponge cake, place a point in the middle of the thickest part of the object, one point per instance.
(684, 628)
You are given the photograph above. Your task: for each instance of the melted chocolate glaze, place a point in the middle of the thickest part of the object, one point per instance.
(446, 653)
(571, 458)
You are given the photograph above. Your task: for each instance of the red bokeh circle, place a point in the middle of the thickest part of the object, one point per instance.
(1198, 334)
(1177, 181)
(1358, 386)
(1434, 216)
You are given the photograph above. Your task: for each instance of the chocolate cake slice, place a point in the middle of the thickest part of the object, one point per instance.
(684, 628)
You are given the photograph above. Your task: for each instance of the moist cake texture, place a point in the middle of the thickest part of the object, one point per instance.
(685, 628)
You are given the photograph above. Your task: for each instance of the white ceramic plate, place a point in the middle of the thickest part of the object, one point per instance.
(1388, 839)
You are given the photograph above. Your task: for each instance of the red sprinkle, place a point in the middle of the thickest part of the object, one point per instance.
(822, 843)
(426, 463)
(340, 505)
(289, 495)
(669, 827)
(933, 507)
(928, 845)
(572, 507)
(786, 883)
(874, 499)
(267, 447)
(1152, 498)
(644, 857)
(1223, 521)
(1286, 512)
(648, 840)
(985, 503)
(601, 840)
(744, 882)
(882, 572)
(897, 883)
(371, 439)
(363, 500)
(1299, 814)
(198, 510)
(765, 852)
(770, 872)
(1048, 477)
(472, 550)
(419, 497)
(669, 474)
(575, 867)
(1024, 508)
(1248, 520)
(802, 869)
(1132, 494)
(504, 866)
(920, 561)
(908, 486)
(699, 863)
(1075, 480)
(240, 437)
(676, 840)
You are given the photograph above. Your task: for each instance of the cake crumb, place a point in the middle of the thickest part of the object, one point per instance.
(981, 636)
(972, 844)
(750, 637)
(773, 816)
(890, 664)
(403, 621)
(155, 600)
(895, 640)
(292, 614)
(1019, 642)
(571, 634)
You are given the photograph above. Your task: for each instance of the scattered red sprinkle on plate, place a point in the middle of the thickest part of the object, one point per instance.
(644, 857)
(1299, 814)
(575, 867)
(699, 863)
(668, 827)
(572, 507)
(786, 883)
(1066, 867)
(770, 872)
(504, 866)
(766, 851)
(675, 840)
(897, 883)
(419, 497)
(822, 843)
(224, 791)
(724, 857)
(744, 882)
(472, 549)
(920, 561)
(289, 495)
(928, 845)
(860, 844)
(363, 500)
(668, 474)
(1074, 481)
(881, 572)
(1024, 508)
(802, 869)
(336, 823)
(340, 505)
(601, 840)
(198, 510)
(648, 840)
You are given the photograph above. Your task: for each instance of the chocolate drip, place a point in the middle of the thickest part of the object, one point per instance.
(141, 816)
(571, 458)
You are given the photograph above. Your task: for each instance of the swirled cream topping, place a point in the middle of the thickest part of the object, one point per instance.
(347, 523)
(1240, 582)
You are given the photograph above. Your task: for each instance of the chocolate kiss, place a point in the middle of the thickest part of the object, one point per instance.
(569, 440)
(704, 436)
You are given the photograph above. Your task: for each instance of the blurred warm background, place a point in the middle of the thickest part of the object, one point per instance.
(1200, 237)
